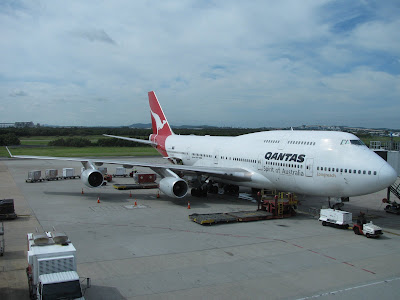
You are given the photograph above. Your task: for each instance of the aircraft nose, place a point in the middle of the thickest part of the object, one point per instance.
(387, 175)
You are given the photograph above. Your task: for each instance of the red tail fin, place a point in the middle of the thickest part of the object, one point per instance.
(158, 120)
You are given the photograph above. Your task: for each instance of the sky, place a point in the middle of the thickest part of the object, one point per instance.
(220, 63)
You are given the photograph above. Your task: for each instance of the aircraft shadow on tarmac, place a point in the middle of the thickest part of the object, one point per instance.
(195, 202)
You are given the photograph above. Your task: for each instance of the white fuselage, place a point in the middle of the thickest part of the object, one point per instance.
(319, 163)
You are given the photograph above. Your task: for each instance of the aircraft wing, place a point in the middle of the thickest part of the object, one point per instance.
(132, 139)
(234, 174)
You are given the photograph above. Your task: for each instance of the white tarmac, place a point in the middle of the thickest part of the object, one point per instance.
(155, 252)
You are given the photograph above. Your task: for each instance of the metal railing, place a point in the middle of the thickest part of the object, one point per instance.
(387, 145)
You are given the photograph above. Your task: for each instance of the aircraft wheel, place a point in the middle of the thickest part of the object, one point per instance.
(356, 230)
(323, 223)
(194, 192)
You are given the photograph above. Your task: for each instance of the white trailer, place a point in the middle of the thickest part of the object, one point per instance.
(338, 218)
(51, 267)
(68, 172)
(120, 172)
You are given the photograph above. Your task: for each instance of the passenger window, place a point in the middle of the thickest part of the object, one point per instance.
(369, 172)
(345, 170)
(341, 170)
(359, 171)
(374, 172)
(364, 172)
(349, 170)
(337, 170)
(329, 169)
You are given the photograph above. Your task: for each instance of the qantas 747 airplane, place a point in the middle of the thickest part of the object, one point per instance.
(320, 163)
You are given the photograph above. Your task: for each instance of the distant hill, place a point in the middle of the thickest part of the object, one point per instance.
(140, 125)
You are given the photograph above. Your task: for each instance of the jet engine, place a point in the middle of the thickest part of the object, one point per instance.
(174, 187)
(92, 178)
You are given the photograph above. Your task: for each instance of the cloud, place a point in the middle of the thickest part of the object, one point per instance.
(95, 35)
(18, 93)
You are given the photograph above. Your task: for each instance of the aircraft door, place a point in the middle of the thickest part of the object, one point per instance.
(309, 167)
(260, 161)
(188, 153)
(216, 157)
(282, 143)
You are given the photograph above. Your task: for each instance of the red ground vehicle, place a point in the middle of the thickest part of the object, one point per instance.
(108, 177)
(367, 229)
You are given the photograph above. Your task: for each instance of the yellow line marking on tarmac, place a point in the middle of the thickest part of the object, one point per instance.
(391, 232)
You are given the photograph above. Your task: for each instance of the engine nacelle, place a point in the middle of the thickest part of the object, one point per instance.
(174, 187)
(92, 178)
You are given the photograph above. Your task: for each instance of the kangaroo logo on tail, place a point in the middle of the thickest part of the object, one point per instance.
(157, 119)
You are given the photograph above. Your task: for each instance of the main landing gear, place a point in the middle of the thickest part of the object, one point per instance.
(213, 188)
(336, 202)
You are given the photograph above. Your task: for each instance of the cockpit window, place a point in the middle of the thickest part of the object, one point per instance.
(357, 142)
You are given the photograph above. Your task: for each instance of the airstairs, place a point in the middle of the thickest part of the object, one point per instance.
(395, 189)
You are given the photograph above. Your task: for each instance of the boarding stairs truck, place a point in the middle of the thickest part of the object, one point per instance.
(51, 267)
(336, 218)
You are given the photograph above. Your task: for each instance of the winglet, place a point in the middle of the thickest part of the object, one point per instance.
(9, 152)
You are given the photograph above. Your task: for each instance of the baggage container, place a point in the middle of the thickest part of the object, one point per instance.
(34, 175)
(103, 170)
(68, 172)
(120, 171)
(51, 174)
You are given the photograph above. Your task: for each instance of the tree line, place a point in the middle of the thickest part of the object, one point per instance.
(123, 131)
(84, 142)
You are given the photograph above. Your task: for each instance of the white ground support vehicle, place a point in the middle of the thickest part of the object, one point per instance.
(368, 229)
(337, 218)
(51, 267)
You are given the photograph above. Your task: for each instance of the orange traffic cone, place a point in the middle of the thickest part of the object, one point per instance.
(188, 204)
(130, 194)
(158, 194)
(82, 191)
(98, 199)
(135, 203)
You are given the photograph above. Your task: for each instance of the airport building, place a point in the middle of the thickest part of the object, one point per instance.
(17, 125)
